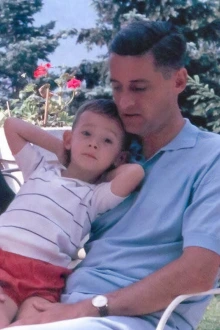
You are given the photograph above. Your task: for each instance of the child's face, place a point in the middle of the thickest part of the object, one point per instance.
(95, 143)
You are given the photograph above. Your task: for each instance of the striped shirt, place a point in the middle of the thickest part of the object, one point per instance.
(51, 214)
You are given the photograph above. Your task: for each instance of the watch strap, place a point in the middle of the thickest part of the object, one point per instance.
(103, 311)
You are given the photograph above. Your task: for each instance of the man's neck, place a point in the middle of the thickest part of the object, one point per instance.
(155, 141)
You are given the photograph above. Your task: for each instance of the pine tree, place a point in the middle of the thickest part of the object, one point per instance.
(22, 43)
(199, 20)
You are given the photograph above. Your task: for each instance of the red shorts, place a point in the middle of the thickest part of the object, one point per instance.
(22, 277)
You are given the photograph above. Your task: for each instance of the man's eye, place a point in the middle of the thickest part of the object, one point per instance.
(108, 141)
(116, 87)
(86, 133)
(138, 89)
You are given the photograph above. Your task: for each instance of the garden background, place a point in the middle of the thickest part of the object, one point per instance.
(27, 41)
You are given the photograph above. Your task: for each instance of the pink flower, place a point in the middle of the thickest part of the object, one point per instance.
(73, 83)
(42, 70)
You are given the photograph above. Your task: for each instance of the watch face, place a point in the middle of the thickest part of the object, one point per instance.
(99, 301)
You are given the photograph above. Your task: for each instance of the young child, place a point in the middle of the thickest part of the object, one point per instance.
(41, 230)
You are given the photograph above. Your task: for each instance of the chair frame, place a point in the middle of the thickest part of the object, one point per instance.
(170, 308)
(8, 172)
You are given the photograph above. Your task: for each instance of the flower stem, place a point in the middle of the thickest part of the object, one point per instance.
(8, 108)
(71, 99)
(46, 106)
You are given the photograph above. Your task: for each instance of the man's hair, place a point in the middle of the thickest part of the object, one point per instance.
(162, 39)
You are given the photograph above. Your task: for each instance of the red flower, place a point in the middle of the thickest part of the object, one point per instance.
(47, 65)
(73, 83)
(42, 70)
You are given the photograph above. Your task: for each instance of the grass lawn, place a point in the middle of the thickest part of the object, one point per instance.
(211, 319)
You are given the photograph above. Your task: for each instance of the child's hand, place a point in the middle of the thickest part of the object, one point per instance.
(62, 155)
(2, 297)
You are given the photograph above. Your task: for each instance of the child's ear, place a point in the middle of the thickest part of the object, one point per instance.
(67, 137)
(122, 158)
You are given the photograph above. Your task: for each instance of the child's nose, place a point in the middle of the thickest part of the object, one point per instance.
(93, 145)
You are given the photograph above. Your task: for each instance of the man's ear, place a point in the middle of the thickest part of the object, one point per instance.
(67, 137)
(122, 158)
(181, 80)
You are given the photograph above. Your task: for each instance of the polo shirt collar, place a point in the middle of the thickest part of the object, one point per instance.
(185, 139)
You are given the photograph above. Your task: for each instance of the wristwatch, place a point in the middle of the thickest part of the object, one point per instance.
(101, 302)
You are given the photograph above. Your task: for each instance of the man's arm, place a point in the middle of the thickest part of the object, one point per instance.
(194, 271)
(19, 132)
(125, 178)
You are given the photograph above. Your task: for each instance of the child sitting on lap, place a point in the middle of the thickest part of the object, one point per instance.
(41, 230)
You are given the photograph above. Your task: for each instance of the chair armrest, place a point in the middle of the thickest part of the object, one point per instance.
(7, 173)
(177, 301)
(9, 169)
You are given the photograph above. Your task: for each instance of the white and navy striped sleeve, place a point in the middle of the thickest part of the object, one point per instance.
(28, 159)
(103, 199)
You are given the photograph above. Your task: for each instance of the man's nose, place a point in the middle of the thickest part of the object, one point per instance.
(126, 101)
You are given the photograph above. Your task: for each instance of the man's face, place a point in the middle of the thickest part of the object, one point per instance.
(146, 99)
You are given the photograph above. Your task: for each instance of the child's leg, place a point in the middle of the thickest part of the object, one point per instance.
(27, 309)
(8, 309)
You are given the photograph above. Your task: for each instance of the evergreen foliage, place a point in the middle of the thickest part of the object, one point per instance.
(22, 43)
(200, 23)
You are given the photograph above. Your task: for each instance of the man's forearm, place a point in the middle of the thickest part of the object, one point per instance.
(195, 271)
(149, 295)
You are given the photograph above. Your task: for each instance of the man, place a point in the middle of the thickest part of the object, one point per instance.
(163, 240)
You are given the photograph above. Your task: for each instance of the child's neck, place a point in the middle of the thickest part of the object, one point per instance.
(75, 173)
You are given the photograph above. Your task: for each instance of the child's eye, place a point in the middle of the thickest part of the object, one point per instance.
(108, 141)
(85, 133)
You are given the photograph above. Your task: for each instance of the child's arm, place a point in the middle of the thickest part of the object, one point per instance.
(125, 178)
(19, 132)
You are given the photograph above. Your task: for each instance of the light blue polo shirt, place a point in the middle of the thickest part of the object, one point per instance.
(178, 206)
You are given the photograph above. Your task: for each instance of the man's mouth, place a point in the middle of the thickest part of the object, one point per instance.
(131, 115)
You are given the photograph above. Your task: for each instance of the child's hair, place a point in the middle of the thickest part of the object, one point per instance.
(100, 106)
(103, 107)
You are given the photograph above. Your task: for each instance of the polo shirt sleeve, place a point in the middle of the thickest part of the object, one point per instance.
(103, 200)
(201, 223)
(28, 159)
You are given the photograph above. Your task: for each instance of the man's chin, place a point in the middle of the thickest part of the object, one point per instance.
(132, 124)
(132, 129)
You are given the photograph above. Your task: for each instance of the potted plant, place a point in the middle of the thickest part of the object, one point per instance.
(41, 106)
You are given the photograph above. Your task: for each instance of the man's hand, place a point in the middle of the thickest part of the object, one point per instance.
(47, 312)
